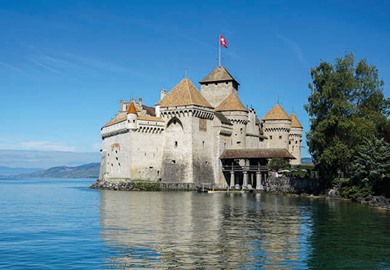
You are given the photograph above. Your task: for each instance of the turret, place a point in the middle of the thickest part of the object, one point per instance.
(235, 111)
(277, 127)
(295, 139)
(131, 116)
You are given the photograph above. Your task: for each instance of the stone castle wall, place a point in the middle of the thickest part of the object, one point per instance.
(215, 93)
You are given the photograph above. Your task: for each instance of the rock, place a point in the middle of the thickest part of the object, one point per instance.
(333, 192)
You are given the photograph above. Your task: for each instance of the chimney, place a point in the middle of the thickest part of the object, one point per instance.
(163, 93)
(122, 106)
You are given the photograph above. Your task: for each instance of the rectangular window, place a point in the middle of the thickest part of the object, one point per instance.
(202, 124)
(175, 143)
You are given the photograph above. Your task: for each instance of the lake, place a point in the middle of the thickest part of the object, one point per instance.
(62, 224)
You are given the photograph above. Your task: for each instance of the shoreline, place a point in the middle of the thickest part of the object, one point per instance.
(378, 202)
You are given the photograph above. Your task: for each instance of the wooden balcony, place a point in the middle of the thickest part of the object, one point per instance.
(238, 168)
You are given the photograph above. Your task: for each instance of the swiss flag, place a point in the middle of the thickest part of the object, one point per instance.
(222, 41)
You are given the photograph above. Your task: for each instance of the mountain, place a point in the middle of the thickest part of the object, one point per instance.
(306, 160)
(90, 170)
(45, 159)
(4, 170)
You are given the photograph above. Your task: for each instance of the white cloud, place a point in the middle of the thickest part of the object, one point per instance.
(46, 146)
(294, 46)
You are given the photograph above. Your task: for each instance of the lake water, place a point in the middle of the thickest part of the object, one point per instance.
(62, 224)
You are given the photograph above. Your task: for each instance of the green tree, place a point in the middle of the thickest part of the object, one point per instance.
(345, 105)
(371, 166)
(276, 164)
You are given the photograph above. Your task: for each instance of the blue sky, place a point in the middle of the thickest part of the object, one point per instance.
(64, 65)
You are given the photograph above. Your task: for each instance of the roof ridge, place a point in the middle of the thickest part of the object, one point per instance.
(218, 74)
(184, 93)
(294, 121)
(231, 103)
(276, 113)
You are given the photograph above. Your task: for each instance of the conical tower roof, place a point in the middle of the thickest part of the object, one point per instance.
(183, 94)
(231, 103)
(294, 121)
(131, 108)
(219, 74)
(276, 113)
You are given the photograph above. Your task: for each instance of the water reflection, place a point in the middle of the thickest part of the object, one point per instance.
(192, 231)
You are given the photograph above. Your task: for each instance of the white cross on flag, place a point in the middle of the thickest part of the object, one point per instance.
(222, 41)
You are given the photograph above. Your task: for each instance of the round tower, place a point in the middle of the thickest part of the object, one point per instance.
(295, 139)
(131, 116)
(277, 127)
(235, 111)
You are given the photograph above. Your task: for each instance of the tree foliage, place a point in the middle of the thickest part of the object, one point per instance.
(346, 105)
(276, 164)
(371, 165)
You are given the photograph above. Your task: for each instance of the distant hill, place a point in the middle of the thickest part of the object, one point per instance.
(45, 159)
(90, 170)
(4, 170)
(306, 160)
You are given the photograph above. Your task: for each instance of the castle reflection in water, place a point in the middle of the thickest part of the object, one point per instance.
(191, 230)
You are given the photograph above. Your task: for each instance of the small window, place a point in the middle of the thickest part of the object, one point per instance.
(216, 83)
(116, 158)
(270, 137)
(203, 144)
(173, 161)
(296, 142)
(238, 142)
(280, 137)
(175, 143)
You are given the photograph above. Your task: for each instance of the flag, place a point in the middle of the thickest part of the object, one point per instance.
(222, 41)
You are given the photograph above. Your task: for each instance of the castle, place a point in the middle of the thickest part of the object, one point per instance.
(197, 137)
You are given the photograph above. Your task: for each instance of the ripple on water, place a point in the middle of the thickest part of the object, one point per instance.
(63, 225)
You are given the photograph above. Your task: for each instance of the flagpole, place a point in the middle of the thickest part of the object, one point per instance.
(219, 51)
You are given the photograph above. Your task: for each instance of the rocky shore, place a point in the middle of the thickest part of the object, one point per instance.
(377, 201)
(126, 185)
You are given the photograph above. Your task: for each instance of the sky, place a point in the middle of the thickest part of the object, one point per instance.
(64, 65)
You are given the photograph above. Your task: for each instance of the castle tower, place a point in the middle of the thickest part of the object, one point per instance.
(131, 116)
(277, 127)
(295, 139)
(218, 85)
(188, 136)
(237, 114)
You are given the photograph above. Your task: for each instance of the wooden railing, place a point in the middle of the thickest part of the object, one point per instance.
(238, 168)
